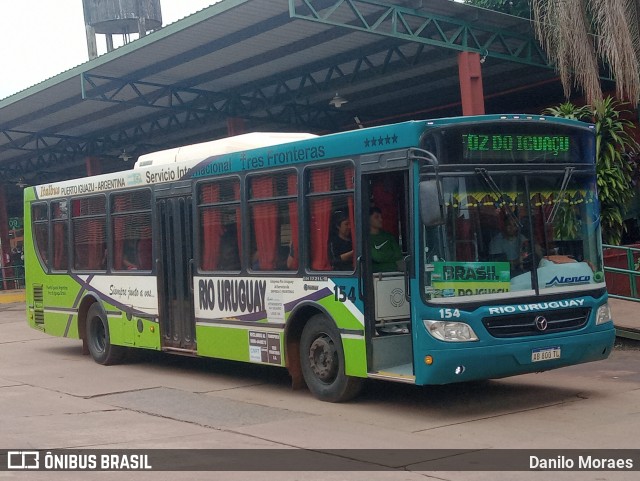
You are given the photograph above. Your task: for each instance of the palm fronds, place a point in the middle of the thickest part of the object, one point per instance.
(576, 34)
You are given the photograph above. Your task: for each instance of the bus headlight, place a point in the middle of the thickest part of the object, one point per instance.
(450, 331)
(603, 314)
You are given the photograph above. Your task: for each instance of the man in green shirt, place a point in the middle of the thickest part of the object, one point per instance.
(385, 251)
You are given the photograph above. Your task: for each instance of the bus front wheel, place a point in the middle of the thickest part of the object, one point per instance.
(98, 339)
(322, 362)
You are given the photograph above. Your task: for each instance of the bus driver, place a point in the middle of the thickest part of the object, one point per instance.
(511, 245)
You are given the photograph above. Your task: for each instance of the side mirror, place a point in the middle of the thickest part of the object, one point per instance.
(431, 211)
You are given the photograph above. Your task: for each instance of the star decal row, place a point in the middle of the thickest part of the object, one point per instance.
(387, 140)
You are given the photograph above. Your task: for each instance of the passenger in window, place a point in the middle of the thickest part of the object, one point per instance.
(229, 255)
(105, 255)
(129, 256)
(255, 260)
(292, 258)
(282, 257)
(386, 255)
(340, 248)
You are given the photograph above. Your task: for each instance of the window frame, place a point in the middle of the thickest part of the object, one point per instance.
(281, 202)
(112, 216)
(201, 206)
(44, 262)
(341, 196)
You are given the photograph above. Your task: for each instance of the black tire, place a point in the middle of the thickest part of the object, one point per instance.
(322, 362)
(98, 339)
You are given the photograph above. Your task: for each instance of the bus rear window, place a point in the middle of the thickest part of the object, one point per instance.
(39, 219)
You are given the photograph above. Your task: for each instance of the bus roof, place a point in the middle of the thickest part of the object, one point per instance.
(262, 150)
(204, 150)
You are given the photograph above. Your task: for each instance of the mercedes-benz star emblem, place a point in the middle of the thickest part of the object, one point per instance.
(541, 323)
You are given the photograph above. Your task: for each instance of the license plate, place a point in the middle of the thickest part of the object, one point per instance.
(545, 354)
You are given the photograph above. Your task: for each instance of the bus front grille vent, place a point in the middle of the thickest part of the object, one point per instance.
(524, 324)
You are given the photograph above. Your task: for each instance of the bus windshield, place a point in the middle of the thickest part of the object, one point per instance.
(508, 233)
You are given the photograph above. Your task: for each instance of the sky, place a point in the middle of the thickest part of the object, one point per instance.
(42, 38)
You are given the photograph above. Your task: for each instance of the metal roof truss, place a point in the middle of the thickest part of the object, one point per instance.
(419, 26)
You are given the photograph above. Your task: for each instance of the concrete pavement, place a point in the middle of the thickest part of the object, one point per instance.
(626, 317)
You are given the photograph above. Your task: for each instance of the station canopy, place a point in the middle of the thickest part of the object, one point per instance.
(275, 65)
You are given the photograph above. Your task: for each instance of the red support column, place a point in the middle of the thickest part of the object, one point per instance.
(470, 75)
(93, 166)
(235, 126)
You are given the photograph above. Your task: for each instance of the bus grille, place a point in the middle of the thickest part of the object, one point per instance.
(524, 324)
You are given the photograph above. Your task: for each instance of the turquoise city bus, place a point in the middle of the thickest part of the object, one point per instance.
(265, 248)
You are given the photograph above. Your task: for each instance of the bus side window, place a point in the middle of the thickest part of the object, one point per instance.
(89, 232)
(274, 221)
(59, 233)
(219, 220)
(131, 231)
(330, 200)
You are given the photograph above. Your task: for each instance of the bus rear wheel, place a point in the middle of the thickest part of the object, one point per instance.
(322, 362)
(98, 339)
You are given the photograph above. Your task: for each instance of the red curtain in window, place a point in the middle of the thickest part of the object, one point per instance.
(59, 246)
(119, 233)
(145, 243)
(95, 247)
(79, 245)
(292, 189)
(42, 241)
(80, 235)
(385, 197)
(348, 182)
(59, 241)
(265, 223)
(89, 234)
(320, 220)
(211, 228)
(236, 194)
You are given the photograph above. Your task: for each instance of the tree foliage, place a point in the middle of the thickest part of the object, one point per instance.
(580, 36)
(520, 8)
(614, 146)
(577, 34)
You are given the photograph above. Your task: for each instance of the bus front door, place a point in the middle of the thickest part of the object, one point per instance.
(387, 307)
(177, 319)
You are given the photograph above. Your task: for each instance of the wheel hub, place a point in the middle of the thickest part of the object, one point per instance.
(323, 359)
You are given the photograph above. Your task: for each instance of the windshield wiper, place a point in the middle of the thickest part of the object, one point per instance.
(568, 172)
(486, 176)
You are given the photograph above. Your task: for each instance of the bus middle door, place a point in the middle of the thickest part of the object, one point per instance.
(175, 273)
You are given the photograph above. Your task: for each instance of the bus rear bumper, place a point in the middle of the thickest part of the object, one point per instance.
(512, 358)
